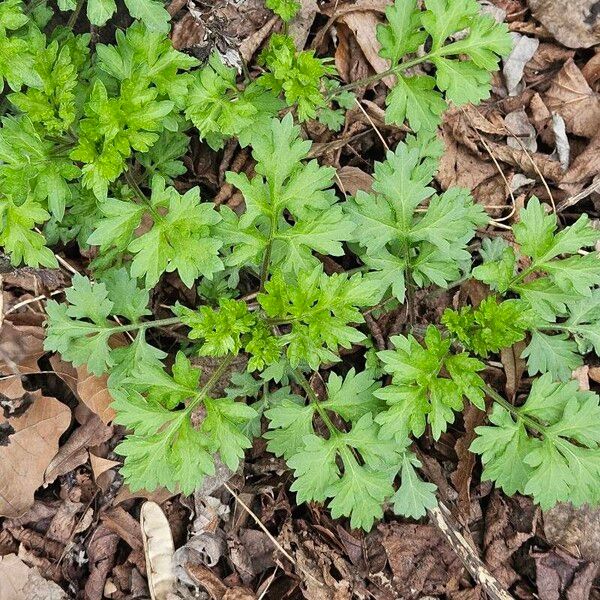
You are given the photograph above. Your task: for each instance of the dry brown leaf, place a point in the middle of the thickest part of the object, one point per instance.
(216, 589)
(74, 451)
(20, 582)
(352, 179)
(527, 162)
(364, 27)
(522, 132)
(573, 23)
(350, 61)
(20, 349)
(559, 575)
(591, 69)
(514, 367)
(101, 550)
(523, 50)
(125, 526)
(461, 478)
(584, 168)
(422, 562)
(101, 465)
(64, 521)
(93, 392)
(573, 99)
(547, 56)
(576, 529)
(13, 574)
(30, 449)
(505, 534)
(300, 25)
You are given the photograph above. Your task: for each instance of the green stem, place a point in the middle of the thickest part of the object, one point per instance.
(75, 14)
(264, 268)
(494, 395)
(133, 184)
(314, 399)
(378, 76)
(212, 381)
(146, 325)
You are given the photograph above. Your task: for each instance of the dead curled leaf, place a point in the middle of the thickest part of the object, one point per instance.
(352, 179)
(158, 550)
(215, 587)
(21, 582)
(364, 26)
(573, 23)
(91, 390)
(37, 431)
(94, 393)
(574, 100)
(421, 560)
(523, 50)
(21, 346)
(559, 575)
(575, 529)
(74, 451)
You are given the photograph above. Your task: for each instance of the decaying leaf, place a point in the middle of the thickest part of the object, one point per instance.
(217, 590)
(21, 346)
(352, 179)
(523, 50)
(573, 99)
(94, 393)
(74, 451)
(38, 431)
(575, 529)
(158, 550)
(421, 560)
(20, 582)
(559, 575)
(364, 26)
(574, 23)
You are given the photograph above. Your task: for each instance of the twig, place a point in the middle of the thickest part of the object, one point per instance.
(364, 112)
(268, 533)
(443, 521)
(584, 193)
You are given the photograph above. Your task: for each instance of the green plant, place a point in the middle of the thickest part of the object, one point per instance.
(90, 148)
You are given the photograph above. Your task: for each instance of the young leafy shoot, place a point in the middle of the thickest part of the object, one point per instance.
(463, 64)
(355, 469)
(402, 246)
(429, 383)
(283, 187)
(547, 448)
(81, 330)
(559, 286)
(180, 239)
(164, 448)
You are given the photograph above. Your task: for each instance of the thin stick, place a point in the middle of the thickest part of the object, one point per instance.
(584, 193)
(23, 303)
(269, 534)
(467, 554)
(372, 124)
(498, 168)
(535, 167)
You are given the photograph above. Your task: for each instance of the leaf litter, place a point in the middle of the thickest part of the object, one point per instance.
(69, 527)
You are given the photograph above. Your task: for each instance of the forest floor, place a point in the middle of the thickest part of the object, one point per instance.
(68, 524)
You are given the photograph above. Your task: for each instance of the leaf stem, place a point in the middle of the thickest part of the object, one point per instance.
(146, 325)
(212, 381)
(75, 14)
(494, 395)
(314, 399)
(378, 76)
